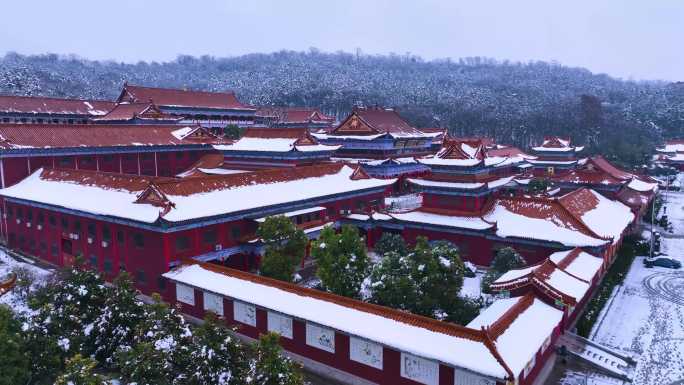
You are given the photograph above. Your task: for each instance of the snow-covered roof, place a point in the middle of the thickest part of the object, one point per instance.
(642, 186)
(578, 263)
(88, 136)
(556, 144)
(458, 346)
(606, 217)
(276, 140)
(44, 105)
(522, 325)
(425, 217)
(294, 213)
(461, 185)
(147, 199)
(541, 219)
(672, 146)
(372, 121)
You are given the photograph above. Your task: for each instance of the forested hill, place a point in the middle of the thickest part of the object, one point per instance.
(511, 102)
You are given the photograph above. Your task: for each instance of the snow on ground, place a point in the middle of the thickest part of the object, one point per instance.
(645, 316)
(12, 298)
(471, 286)
(675, 210)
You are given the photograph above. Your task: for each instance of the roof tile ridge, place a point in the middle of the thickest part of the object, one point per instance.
(491, 345)
(544, 285)
(498, 327)
(567, 260)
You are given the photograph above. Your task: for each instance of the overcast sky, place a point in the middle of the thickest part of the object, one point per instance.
(638, 39)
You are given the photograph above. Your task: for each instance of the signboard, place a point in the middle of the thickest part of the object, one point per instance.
(365, 352)
(213, 303)
(320, 337)
(280, 324)
(419, 369)
(244, 312)
(185, 294)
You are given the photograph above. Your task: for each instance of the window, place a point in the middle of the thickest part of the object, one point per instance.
(279, 323)
(20, 213)
(93, 260)
(331, 212)
(244, 313)
(185, 294)
(182, 243)
(419, 369)
(65, 224)
(43, 247)
(10, 212)
(54, 250)
(40, 218)
(163, 156)
(120, 236)
(179, 155)
(106, 234)
(360, 205)
(139, 240)
(161, 283)
(52, 220)
(209, 236)
(235, 232)
(77, 226)
(29, 215)
(107, 266)
(140, 277)
(64, 162)
(108, 158)
(320, 337)
(213, 303)
(91, 230)
(365, 352)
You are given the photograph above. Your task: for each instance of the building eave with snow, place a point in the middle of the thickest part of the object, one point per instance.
(275, 147)
(46, 110)
(370, 342)
(161, 220)
(210, 109)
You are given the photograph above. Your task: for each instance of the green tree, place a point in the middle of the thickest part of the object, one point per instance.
(14, 364)
(80, 371)
(285, 246)
(159, 354)
(427, 281)
(115, 327)
(232, 131)
(390, 242)
(505, 259)
(270, 367)
(537, 186)
(391, 282)
(341, 261)
(64, 310)
(215, 356)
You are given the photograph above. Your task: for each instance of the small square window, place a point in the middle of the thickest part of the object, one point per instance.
(139, 240)
(120, 236)
(107, 266)
(182, 243)
(161, 283)
(209, 236)
(93, 260)
(52, 220)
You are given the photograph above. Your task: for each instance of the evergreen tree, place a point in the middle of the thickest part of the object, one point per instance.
(80, 371)
(427, 281)
(284, 247)
(270, 367)
(115, 327)
(505, 259)
(216, 357)
(391, 282)
(437, 274)
(390, 242)
(14, 361)
(232, 131)
(341, 261)
(161, 346)
(64, 311)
